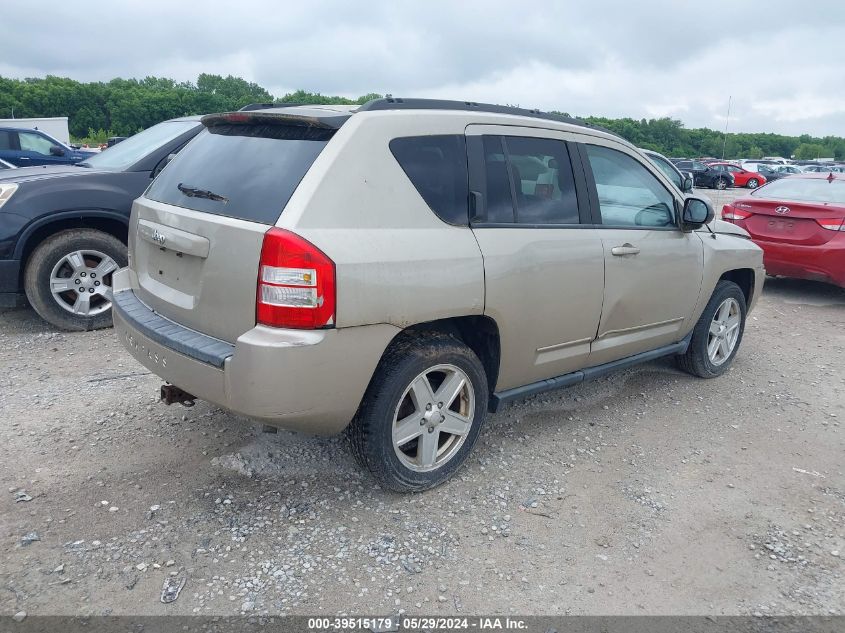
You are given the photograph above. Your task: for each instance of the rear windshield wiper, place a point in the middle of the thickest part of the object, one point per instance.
(193, 192)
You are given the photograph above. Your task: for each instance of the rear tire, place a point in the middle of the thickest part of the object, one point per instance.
(410, 431)
(718, 333)
(752, 183)
(74, 259)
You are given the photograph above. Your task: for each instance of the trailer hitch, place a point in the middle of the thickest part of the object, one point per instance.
(172, 393)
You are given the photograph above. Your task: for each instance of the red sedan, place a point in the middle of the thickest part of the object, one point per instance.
(799, 222)
(742, 177)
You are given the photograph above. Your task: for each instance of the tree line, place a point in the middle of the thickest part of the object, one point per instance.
(122, 107)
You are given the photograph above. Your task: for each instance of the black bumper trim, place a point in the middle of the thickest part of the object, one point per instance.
(172, 335)
(10, 273)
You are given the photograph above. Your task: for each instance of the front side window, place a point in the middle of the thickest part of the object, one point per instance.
(528, 181)
(34, 143)
(436, 166)
(629, 195)
(699, 166)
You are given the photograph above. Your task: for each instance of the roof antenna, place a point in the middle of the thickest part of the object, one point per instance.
(727, 119)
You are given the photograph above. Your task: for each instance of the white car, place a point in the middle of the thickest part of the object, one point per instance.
(5, 165)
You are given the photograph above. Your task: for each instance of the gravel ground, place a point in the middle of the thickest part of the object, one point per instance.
(646, 492)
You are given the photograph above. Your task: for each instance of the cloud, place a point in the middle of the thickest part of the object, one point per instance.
(781, 65)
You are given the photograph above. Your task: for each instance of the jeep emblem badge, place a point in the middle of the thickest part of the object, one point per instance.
(158, 238)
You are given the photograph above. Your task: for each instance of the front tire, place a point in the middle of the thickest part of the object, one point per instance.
(752, 183)
(718, 333)
(720, 183)
(422, 413)
(68, 278)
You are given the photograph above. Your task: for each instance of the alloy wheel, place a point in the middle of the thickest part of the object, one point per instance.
(724, 331)
(81, 282)
(433, 417)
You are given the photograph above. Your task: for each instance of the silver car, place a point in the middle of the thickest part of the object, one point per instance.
(400, 269)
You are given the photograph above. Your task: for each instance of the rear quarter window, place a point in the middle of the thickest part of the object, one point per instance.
(436, 166)
(251, 171)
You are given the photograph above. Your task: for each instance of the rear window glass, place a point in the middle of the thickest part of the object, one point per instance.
(436, 166)
(804, 189)
(240, 171)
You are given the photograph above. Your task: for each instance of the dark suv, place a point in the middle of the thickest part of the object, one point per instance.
(704, 175)
(63, 228)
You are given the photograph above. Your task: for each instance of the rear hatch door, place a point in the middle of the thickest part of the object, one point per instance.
(196, 234)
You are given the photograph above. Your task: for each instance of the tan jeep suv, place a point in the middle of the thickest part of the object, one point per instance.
(404, 267)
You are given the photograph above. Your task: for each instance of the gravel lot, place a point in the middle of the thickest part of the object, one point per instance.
(647, 492)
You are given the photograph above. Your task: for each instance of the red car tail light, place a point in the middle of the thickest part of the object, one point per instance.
(832, 224)
(296, 283)
(732, 213)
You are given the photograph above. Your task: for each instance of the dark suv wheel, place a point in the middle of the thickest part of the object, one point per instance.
(68, 278)
(720, 183)
(422, 412)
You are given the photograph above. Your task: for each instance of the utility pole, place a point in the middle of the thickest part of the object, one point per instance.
(727, 119)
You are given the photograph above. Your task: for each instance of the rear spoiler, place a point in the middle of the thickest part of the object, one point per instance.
(262, 117)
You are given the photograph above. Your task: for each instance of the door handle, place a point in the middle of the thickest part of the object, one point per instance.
(625, 249)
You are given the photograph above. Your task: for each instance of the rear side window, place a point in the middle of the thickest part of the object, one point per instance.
(5, 140)
(247, 172)
(436, 166)
(529, 181)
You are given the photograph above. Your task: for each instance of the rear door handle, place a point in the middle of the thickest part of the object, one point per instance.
(625, 249)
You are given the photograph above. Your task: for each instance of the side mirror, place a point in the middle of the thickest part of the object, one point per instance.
(687, 183)
(55, 150)
(697, 213)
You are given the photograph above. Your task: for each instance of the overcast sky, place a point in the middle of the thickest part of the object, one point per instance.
(782, 61)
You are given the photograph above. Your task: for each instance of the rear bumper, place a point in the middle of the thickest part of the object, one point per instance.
(820, 263)
(303, 380)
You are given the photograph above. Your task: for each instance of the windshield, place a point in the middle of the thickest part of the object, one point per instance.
(804, 189)
(128, 152)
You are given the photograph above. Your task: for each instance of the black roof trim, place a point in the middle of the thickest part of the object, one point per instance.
(398, 103)
(259, 117)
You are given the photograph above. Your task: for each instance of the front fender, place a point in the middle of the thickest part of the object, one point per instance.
(725, 252)
(51, 218)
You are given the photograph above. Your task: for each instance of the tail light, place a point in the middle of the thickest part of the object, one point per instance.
(732, 213)
(832, 224)
(296, 283)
